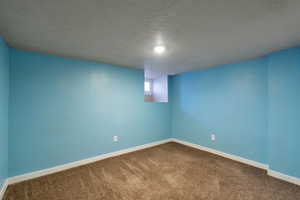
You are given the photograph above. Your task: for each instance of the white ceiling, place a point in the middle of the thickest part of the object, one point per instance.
(196, 33)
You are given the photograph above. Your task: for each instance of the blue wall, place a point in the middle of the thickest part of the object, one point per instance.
(4, 95)
(64, 110)
(229, 101)
(252, 107)
(284, 111)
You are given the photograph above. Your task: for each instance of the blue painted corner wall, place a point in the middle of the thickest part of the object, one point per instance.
(229, 101)
(4, 97)
(284, 112)
(253, 108)
(64, 110)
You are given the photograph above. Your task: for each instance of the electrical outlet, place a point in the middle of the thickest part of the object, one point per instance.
(213, 137)
(115, 138)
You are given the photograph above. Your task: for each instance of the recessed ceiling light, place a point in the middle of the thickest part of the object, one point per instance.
(159, 49)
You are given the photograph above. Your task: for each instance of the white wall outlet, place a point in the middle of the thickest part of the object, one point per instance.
(115, 138)
(213, 137)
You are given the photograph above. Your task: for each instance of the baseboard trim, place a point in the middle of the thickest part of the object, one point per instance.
(3, 189)
(270, 172)
(223, 154)
(44, 172)
(284, 177)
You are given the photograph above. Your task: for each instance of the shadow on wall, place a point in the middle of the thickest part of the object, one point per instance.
(4, 95)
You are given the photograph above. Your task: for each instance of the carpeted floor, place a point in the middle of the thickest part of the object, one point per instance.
(168, 171)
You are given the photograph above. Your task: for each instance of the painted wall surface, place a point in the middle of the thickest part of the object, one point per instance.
(64, 110)
(4, 95)
(284, 111)
(229, 101)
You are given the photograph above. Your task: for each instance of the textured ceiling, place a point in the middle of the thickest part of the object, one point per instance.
(196, 33)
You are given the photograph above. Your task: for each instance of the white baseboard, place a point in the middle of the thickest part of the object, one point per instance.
(36, 174)
(284, 177)
(44, 172)
(3, 189)
(226, 155)
(270, 172)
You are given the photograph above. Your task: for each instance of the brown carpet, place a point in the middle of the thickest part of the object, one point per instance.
(169, 171)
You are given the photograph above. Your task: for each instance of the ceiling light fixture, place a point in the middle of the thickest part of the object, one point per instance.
(159, 49)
